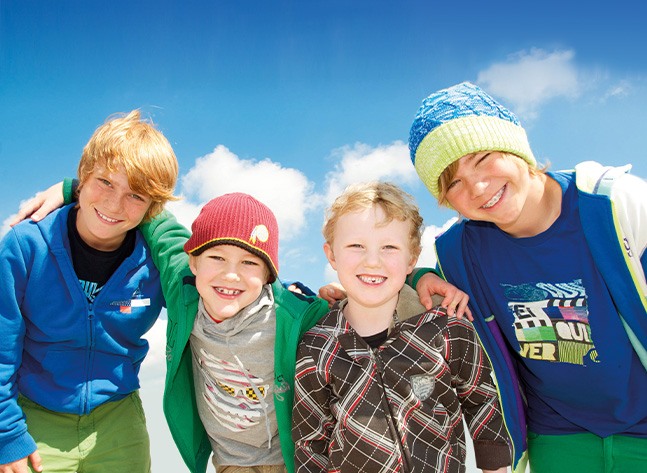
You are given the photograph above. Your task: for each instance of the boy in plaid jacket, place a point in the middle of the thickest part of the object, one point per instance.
(377, 393)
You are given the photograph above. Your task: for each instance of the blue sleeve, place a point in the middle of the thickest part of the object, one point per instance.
(15, 441)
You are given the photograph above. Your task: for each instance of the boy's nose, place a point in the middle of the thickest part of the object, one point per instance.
(231, 275)
(372, 258)
(114, 203)
(478, 187)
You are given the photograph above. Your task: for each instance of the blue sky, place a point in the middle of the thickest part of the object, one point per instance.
(292, 100)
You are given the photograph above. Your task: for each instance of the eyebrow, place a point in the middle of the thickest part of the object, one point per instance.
(482, 154)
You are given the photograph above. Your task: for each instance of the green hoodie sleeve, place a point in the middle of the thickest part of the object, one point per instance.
(417, 273)
(165, 238)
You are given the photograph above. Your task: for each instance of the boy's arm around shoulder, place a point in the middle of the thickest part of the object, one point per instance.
(295, 314)
(429, 282)
(165, 238)
(473, 381)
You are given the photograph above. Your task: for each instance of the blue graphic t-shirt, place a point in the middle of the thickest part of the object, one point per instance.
(578, 368)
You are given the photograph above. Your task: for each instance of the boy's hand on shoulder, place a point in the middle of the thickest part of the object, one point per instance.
(332, 292)
(41, 205)
(22, 466)
(299, 288)
(454, 300)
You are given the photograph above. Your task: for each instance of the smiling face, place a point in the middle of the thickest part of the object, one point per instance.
(372, 259)
(228, 278)
(494, 187)
(108, 208)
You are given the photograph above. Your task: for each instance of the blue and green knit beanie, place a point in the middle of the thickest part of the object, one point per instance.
(461, 120)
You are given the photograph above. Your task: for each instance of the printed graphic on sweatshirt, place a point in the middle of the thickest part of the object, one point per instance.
(136, 300)
(551, 321)
(235, 398)
(91, 289)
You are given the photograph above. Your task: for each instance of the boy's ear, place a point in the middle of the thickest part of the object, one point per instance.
(330, 255)
(412, 263)
(193, 265)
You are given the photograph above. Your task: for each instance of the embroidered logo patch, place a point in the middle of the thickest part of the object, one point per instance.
(422, 385)
(137, 300)
(260, 233)
(281, 386)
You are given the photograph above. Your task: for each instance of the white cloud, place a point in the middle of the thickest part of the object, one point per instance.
(154, 365)
(530, 78)
(5, 225)
(330, 275)
(620, 89)
(362, 163)
(4, 229)
(428, 255)
(287, 191)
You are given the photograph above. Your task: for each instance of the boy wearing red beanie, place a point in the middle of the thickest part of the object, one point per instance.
(232, 336)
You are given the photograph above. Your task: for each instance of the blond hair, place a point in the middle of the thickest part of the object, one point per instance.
(396, 204)
(146, 155)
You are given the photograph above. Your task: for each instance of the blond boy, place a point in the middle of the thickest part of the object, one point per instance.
(374, 392)
(78, 292)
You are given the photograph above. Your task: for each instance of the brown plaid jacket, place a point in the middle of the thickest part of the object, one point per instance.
(397, 408)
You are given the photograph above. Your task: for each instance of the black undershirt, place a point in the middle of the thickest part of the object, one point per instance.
(378, 339)
(94, 267)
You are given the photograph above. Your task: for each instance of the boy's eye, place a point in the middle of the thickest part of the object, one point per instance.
(216, 257)
(354, 245)
(250, 263)
(452, 184)
(390, 247)
(138, 197)
(103, 181)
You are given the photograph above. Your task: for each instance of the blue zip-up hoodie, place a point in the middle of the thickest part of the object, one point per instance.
(614, 212)
(58, 349)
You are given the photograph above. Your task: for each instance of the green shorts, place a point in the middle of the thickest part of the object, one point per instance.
(112, 438)
(586, 453)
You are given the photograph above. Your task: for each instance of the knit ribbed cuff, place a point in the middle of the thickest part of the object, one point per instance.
(491, 455)
(462, 136)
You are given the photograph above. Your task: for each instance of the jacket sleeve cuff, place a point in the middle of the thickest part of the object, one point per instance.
(15, 449)
(417, 273)
(490, 455)
(70, 187)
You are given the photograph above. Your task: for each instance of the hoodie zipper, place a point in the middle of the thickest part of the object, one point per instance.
(90, 357)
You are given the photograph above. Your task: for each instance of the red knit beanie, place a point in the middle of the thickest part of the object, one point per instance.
(241, 220)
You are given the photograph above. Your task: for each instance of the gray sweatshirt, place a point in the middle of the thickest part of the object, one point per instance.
(233, 370)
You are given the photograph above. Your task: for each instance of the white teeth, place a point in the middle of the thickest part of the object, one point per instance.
(228, 292)
(494, 199)
(372, 279)
(106, 218)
